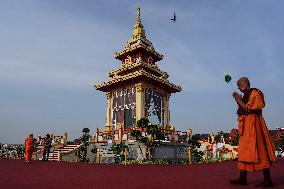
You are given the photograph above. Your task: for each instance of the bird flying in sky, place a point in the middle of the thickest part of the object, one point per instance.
(174, 18)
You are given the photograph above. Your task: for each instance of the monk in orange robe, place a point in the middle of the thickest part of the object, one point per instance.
(29, 147)
(256, 150)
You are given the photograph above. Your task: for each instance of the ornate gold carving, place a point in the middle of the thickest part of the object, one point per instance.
(127, 61)
(165, 75)
(108, 95)
(135, 74)
(189, 133)
(150, 60)
(139, 87)
(138, 40)
(138, 64)
(138, 27)
(120, 126)
(107, 129)
(139, 44)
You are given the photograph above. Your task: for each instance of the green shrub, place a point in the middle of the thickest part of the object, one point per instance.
(118, 150)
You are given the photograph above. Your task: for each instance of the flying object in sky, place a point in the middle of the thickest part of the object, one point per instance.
(174, 18)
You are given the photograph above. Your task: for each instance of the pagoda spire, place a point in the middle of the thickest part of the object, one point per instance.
(138, 42)
(138, 27)
(138, 19)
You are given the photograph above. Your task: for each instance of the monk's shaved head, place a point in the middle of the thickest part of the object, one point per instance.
(245, 80)
(243, 84)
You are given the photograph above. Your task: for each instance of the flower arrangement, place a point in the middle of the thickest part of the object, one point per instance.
(12, 151)
(152, 138)
(224, 149)
(234, 137)
(278, 140)
(156, 161)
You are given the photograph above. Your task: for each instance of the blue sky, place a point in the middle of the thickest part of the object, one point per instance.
(53, 52)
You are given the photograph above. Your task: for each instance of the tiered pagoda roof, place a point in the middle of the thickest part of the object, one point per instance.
(139, 59)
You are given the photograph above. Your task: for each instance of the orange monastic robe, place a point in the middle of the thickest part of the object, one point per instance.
(256, 149)
(29, 144)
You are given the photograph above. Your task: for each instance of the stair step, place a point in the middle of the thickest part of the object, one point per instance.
(53, 156)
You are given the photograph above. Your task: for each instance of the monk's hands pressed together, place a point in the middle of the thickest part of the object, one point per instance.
(237, 96)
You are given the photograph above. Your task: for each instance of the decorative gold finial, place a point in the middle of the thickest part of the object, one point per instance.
(138, 19)
(138, 27)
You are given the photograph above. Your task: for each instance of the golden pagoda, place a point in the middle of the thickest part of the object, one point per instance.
(138, 88)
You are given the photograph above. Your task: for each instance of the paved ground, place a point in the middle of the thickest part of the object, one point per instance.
(58, 175)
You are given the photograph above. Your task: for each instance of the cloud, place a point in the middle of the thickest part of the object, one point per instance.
(46, 75)
(60, 49)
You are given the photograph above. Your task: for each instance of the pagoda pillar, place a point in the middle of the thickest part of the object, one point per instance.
(140, 101)
(166, 101)
(108, 126)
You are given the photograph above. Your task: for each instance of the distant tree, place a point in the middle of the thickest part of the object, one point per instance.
(36, 144)
(85, 143)
(70, 142)
(143, 123)
(86, 131)
(118, 149)
(197, 156)
(217, 137)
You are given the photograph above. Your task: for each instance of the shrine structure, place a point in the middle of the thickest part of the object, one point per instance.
(138, 88)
